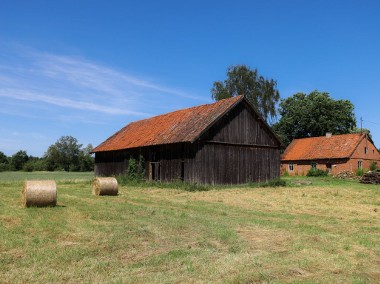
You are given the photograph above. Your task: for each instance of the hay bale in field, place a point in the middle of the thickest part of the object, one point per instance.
(39, 193)
(105, 186)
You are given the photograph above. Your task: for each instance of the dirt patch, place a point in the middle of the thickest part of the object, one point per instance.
(10, 222)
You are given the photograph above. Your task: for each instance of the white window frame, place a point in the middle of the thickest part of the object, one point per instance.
(314, 165)
(291, 167)
(360, 164)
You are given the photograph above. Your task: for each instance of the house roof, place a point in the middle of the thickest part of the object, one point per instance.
(184, 125)
(314, 148)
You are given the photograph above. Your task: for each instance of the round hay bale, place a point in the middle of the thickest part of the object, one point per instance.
(105, 186)
(39, 193)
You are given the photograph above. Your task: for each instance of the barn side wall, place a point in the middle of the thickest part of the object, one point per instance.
(230, 164)
(169, 157)
(113, 163)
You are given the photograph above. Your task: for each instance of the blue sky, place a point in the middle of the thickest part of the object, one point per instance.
(87, 68)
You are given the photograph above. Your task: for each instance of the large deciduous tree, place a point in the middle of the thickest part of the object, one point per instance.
(67, 154)
(241, 80)
(314, 114)
(64, 154)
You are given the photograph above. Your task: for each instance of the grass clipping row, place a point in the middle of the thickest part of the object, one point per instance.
(39, 193)
(105, 186)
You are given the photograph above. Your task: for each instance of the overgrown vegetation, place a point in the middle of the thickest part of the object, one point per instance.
(373, 166)
(360, 172)
(316, 234)
(135, 172)
(314, 172)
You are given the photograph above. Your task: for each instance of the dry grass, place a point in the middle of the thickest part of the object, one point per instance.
(327, 232)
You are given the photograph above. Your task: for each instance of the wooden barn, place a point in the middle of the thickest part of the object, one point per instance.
(226, 142)
(334, 153)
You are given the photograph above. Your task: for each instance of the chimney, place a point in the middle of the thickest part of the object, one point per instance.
(328, 134)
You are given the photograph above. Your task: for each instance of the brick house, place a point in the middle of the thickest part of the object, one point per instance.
(334, 153)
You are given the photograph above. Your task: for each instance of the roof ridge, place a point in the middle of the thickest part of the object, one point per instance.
(184, 109)
(322, 147)
(324, 136)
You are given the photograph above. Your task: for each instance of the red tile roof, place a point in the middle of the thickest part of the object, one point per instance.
(313, 148)
(184, 125)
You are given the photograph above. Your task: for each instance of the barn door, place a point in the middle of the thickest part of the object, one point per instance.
(155, 165)
(155, 171)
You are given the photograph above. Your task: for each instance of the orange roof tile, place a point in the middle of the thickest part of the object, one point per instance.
(313, 148)
(184, 125)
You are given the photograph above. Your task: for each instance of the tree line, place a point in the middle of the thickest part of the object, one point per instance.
(64, 155)
(298, 116)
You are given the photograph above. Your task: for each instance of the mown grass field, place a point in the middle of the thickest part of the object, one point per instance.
(325, 232)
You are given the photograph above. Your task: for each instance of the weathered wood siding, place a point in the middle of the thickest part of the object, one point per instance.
(224, 164)
(241, 126)
(171, 157)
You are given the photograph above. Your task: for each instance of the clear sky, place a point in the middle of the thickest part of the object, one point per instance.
(87, 68)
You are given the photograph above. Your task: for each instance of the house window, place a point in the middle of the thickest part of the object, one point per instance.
(359, 164)
(328, 167)
(314, 165)
(291, 167)
(365, 150)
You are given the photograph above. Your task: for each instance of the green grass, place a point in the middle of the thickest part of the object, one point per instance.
(58, 176)
(325, 232)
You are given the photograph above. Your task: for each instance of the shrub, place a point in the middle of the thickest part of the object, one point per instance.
(135, 172)
(34, 164)
(373, 166)
(274, 183)
(136, 169)
(285, 174)
(316, 173)
(360, 172)
(4, 167)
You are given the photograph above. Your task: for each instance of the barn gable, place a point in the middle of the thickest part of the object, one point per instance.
(241, 125)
